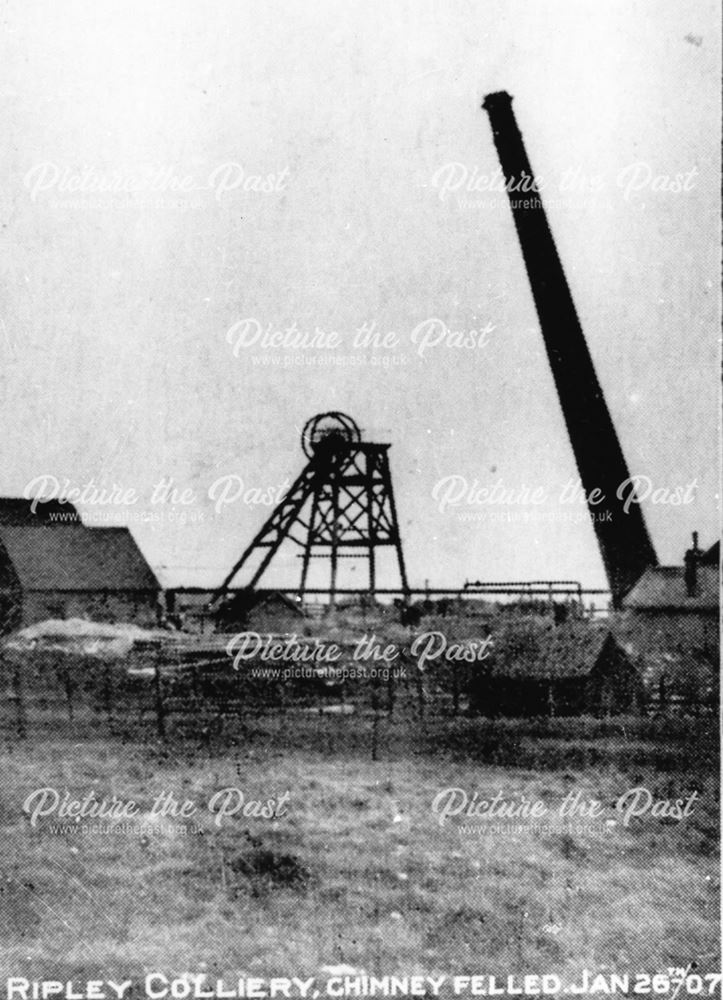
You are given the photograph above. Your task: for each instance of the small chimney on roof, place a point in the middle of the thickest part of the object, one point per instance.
(690, 572)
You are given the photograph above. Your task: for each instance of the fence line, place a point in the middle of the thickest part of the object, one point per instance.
(167, 686)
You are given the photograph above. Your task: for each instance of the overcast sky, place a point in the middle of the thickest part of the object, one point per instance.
(364, 123)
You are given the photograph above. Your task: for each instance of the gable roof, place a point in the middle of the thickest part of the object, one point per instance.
(242, 603)
(63, 557)
(712, 556)
(18, 511)
(546, 651)
(275, 600)
(662, 588)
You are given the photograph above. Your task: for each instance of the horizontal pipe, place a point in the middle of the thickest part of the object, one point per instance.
(421, 591)
(522, 583)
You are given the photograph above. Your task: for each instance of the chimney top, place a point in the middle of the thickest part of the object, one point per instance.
(690, 572)
(496, 99)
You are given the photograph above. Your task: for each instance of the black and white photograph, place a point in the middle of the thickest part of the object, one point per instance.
(360, 499)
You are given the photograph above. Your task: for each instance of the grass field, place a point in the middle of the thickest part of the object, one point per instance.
(358, 870)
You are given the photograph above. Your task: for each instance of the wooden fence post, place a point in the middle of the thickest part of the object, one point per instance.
(20, 716)
(420, 694)
(390, 692)
(158, 696)
(108, 691)
(375, 720)
(68, 685)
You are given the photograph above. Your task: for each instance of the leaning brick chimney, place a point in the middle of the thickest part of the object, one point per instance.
(625, 545)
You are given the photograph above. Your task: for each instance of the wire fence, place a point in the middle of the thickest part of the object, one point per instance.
(159, 687)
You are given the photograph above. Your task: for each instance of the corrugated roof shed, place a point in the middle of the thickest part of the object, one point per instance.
(662, 588)
(63, 557)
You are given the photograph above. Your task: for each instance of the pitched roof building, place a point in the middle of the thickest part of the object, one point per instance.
(539, 669)
(669, 625)
(19, 511)
(663, 588)
(692, 587)
(53, 567)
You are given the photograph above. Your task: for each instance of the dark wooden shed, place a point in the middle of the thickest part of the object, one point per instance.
(575, 669)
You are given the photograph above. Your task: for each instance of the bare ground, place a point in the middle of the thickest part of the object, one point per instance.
(358, 870)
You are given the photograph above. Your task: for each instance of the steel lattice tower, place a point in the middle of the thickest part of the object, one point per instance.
(341, 506)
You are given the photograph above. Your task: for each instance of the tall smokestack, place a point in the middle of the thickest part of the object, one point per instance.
(624, 542)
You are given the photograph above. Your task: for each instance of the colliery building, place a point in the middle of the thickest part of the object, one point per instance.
(670, 625)
(54, 566)
(690, 589)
